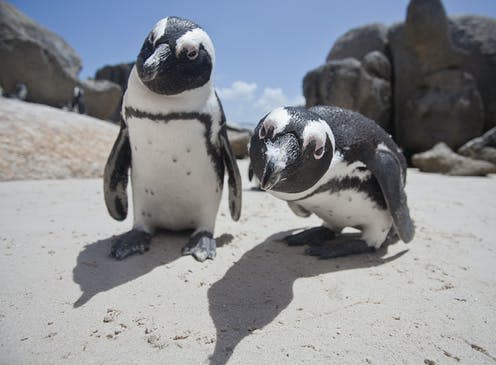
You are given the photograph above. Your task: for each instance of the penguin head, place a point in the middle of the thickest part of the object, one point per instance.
(177, 55)
(291, 149)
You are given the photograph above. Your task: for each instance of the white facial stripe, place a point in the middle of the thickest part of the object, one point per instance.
(317, 130)
(278, 119)
(160, 54)
(277, 154)
(159, 29)
(192, 40)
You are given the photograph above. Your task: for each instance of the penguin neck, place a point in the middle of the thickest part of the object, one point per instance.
(138, 96)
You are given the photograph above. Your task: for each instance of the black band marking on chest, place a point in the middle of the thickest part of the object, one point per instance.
(369, 186)
(205, 119)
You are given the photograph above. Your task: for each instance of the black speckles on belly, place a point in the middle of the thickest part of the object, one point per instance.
(174, 159)
(146, 214)
(150, 142)
(188, 173)
(152, 192)
(136, 148)
(146, 191)
(188, 150)
(350, 199)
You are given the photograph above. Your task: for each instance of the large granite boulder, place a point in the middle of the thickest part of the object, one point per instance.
(351, 84)
(481, 148)
(435, 98)
(118, 74)
(239, 139)
(358, 42)
(102, 98)
(443, 160)
(38, 58)
(476, 36)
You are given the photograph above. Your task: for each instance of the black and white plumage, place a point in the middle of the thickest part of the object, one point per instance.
(340, 166)
(173, 138)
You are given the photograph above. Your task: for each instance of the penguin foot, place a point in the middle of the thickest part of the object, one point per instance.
(130, 243)
(314, 236)
(201, 246)
(339, 247)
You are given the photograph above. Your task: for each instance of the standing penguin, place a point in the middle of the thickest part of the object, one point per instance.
(173, 138)
(340, 166)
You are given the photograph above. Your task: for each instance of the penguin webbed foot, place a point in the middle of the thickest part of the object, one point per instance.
(314, 236)
(129, 243)
(201, 246)
(343, 245)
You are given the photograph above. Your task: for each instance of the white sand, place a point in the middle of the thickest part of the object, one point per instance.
(258, 302)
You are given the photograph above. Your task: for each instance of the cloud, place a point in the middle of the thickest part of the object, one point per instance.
(239, 90)
(272, 98)
(243, 105)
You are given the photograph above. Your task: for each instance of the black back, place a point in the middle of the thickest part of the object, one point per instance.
(357, 136)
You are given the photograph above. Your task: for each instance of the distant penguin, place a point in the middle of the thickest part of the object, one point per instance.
(20, 92)
(173, 138)
(340, 166)
(78, 104)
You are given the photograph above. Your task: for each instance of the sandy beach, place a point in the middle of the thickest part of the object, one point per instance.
(63, 300)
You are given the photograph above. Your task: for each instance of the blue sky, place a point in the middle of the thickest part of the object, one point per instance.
(264, 48)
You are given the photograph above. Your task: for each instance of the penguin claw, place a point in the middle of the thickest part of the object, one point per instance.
(130, 243)
(201, 246)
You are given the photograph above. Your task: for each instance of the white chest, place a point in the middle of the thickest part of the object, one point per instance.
(174, 183)
(346, 208)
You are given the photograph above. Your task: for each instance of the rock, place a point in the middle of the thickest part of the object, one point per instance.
(42, 142)
(476, 36)
(443, 160)
(102, 98)
(35, 56)
(118, 74)
(239, 139)
(481, 148)
(377, 64)
(47, 65)
(360, 41)
(354, 85)
(435, 98)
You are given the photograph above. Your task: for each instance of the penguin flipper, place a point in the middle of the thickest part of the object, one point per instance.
(234, 178)
(298, 210)
(387, 170)
(115, 176)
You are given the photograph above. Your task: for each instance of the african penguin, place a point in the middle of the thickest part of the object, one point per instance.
(340, 166)
(173, 138)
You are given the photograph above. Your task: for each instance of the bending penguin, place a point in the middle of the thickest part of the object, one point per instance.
(340, 166)
(173, 139)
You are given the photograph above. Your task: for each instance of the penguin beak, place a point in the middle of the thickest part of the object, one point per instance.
(151, 66)
(271, 175)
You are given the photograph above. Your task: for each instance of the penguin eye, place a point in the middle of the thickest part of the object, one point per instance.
(192, 54)
(319, 152)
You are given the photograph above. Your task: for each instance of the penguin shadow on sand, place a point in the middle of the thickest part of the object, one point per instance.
(96, 272)
(257, 288)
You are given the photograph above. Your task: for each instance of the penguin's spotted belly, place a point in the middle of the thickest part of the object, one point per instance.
(350, 208)
(174, 185)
